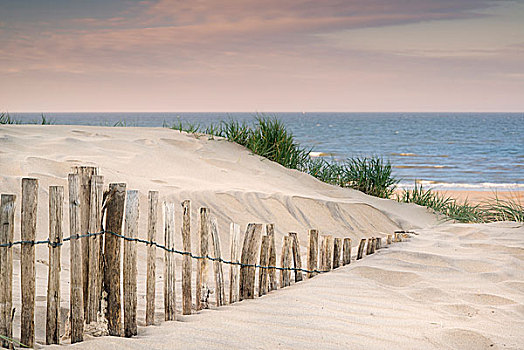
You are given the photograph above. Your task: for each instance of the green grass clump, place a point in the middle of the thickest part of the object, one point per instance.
(267, 137)
(270, 138)
(5, 118)
(369, 175)
(498, 209)
(492, 210)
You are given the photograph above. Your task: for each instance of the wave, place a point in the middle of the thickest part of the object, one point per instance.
(321, 154)
(420, 155)
(422, 166)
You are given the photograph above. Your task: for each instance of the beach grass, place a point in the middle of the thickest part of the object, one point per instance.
(491, 210)
(5, 118)
(269, 138)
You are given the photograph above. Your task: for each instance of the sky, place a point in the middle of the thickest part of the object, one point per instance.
(261, 55)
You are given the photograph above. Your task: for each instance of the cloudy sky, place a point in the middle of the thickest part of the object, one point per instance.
(261, 55)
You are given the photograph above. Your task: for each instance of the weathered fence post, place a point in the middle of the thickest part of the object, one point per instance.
(27, 260)
(329, 252)
(169, 262)
(186, 262)
(95, 203)
(388, 239)
(151, 256)
(76, 299)
(217, 264)
(114, 217)
(285, 262)
(378, 243)
(297, 261)
(346, 252)
(202, 284)
(361, 245)
(337, 252)
(85, 173)
(264, 261)
(312, 256)
(369, 246)
(326, 252)
(249, 257)
(272, 273)
(7, 221)
(234, 270)
(130, 269)
(56, 203)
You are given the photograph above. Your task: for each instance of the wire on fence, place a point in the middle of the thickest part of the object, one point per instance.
(158, 245)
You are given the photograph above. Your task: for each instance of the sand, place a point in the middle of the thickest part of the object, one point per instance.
(450, 286)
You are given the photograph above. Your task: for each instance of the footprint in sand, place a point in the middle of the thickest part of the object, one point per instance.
(487, 299)
(464, 339)
(459, 309)
(388, 277)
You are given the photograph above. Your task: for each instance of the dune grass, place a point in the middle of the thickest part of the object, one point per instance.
(5, 118)
(269, 137)
(491, 210)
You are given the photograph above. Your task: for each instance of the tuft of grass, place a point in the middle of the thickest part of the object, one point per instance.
(498, 209)
(186, 126)
(5, 118)
(492, 210)
(270, 138)
(45, 121)
(235, 131)
(370, 175)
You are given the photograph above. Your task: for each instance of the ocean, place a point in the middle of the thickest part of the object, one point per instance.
(478, 151)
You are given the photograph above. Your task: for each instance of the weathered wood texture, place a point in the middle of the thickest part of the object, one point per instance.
(337, 252)
(27, 260)
(114, 218)
(202, 284)
(378, 243)
(7, 221)
(234, 270)
(326, 252)
(329, 252)
(169, 262)
(152, 219)
(272, 273)
(249, 256)
(56, 209)
(129, 265)
(263, 283)
(297, 260)
(388, 239)
(95, 212)
(346, 252)
(186, 262)
(285, 262)
(369, 246)
(312, 255)
(76, 299)
(361, 245)
(220, 292)
(85, 173)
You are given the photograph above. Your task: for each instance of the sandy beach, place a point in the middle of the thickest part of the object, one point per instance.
(449, 286)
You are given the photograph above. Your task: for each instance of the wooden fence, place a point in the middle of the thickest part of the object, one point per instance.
(98, 223)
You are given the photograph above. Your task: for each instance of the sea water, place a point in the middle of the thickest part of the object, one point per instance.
(442, 150)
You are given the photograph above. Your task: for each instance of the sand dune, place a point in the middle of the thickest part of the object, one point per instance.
(450, 286)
